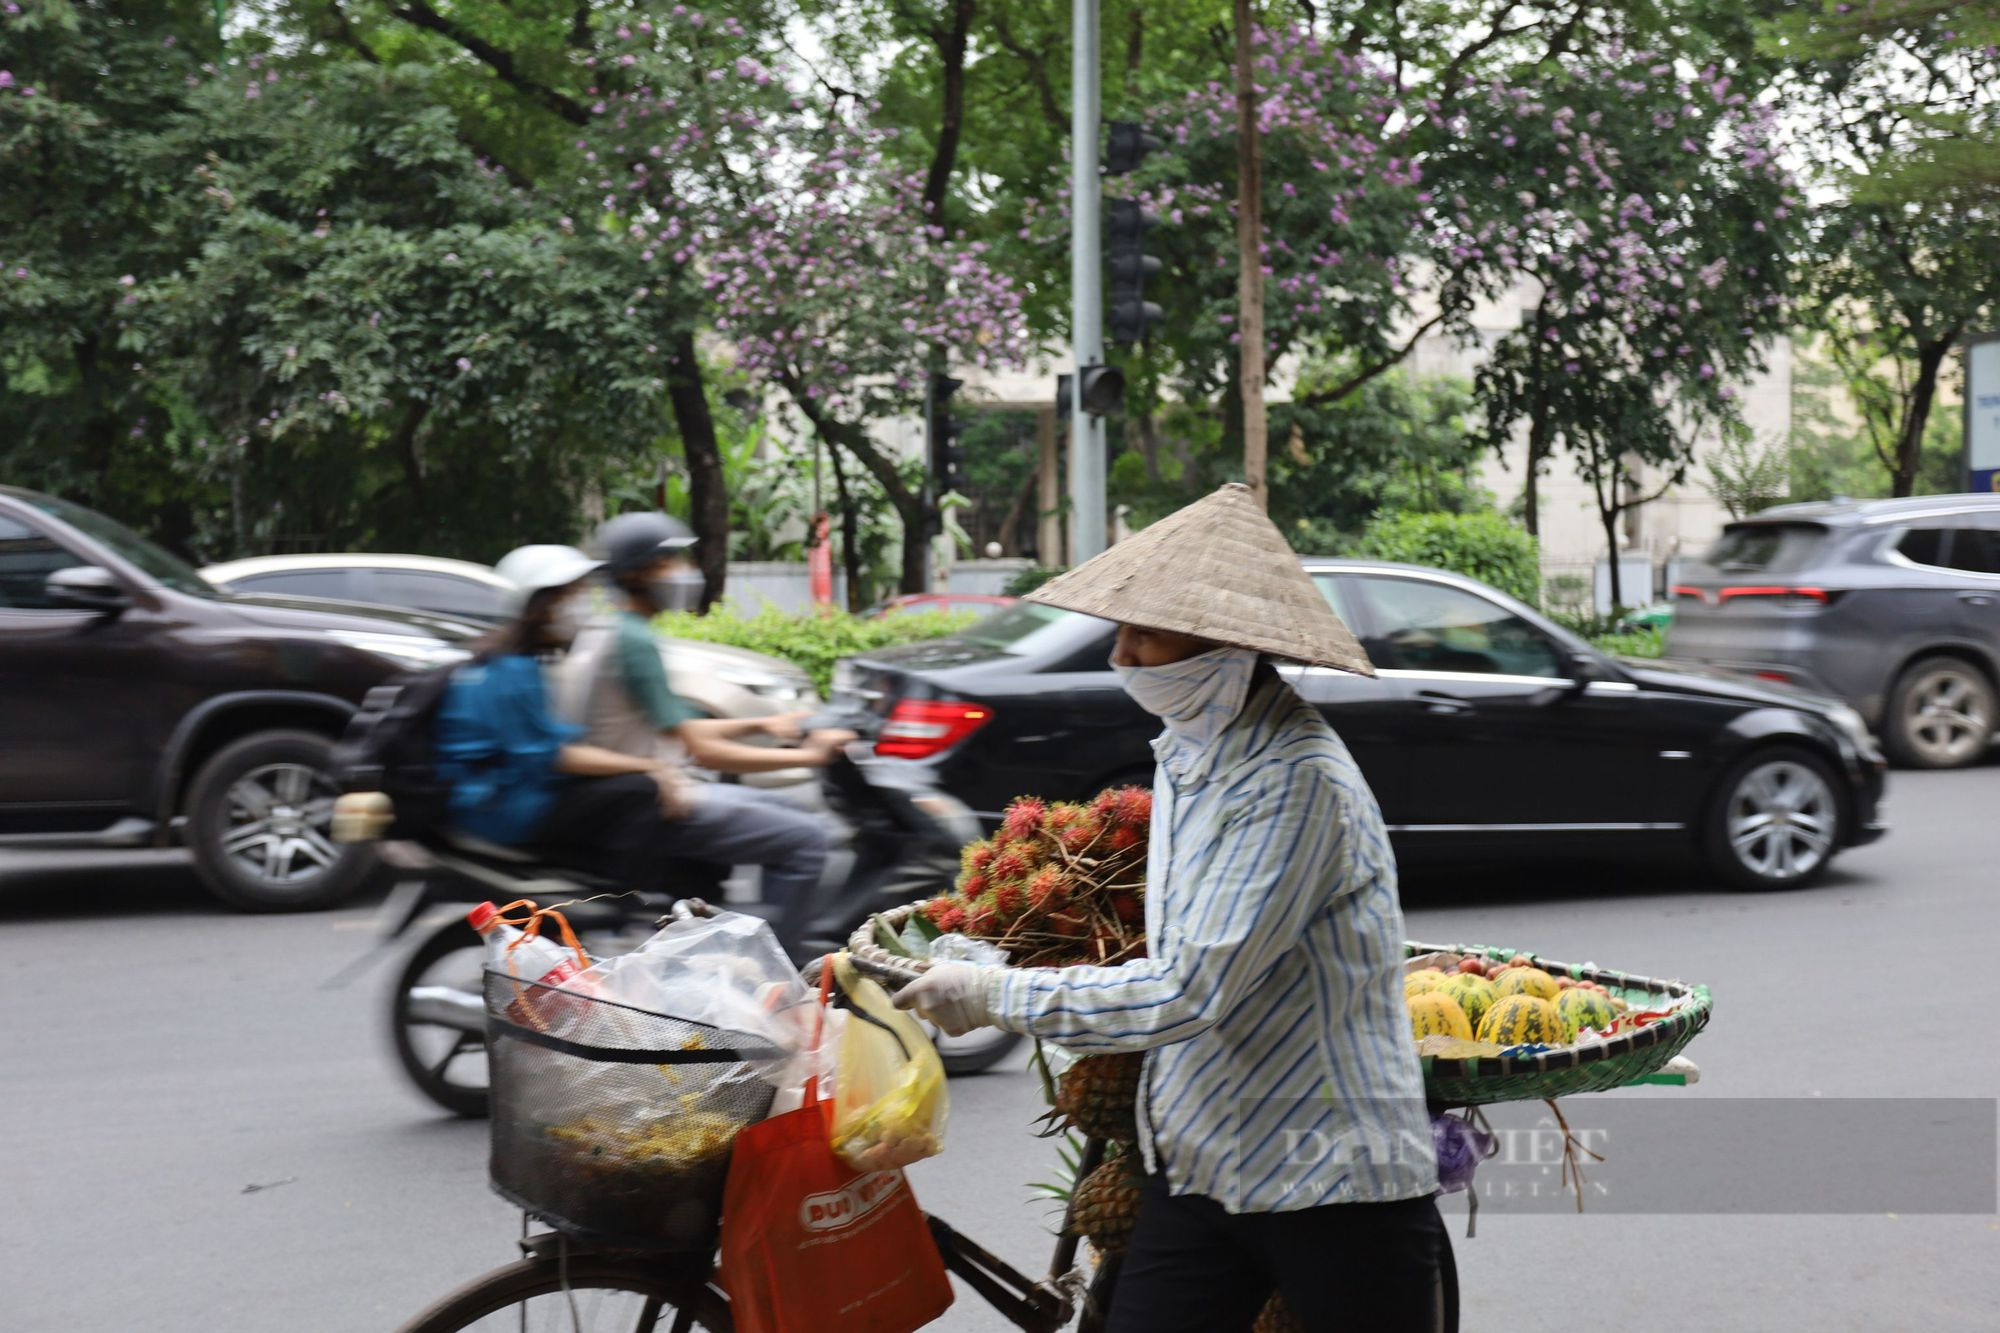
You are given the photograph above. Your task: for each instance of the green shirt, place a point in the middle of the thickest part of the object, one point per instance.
(644, 675)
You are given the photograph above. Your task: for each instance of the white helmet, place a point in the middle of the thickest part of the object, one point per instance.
(533, 569)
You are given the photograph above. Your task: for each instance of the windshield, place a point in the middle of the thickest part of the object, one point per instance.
(1765, 548)
(155, 561)
(1015, 628)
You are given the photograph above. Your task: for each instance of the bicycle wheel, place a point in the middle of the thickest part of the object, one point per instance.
(583, 1294)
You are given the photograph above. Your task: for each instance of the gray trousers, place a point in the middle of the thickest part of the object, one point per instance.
(743, 826)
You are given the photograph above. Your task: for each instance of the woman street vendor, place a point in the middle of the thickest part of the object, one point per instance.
(1282, 1120)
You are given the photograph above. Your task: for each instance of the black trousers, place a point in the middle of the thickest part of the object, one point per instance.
(607, 826)
(1195, 1268)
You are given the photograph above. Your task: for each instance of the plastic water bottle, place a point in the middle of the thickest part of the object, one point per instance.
(535, 959)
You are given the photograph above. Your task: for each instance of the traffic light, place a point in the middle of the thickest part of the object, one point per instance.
(947, 455)
(1126, 222)
(1103, 391)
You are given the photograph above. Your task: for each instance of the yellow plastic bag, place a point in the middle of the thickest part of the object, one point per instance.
(889, 1099)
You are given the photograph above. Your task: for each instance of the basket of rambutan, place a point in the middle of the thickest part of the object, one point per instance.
(1058, 884)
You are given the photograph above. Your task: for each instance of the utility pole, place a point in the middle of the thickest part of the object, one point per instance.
(1086, 280)
(1250, 258)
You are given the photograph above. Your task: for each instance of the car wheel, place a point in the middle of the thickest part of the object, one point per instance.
(1776, 821)
(1940, 715)
(259, 819)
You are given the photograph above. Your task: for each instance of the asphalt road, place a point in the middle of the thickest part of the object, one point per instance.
(202, 1136)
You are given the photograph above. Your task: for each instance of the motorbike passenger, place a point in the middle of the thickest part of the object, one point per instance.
(520, 776)
(617, 687)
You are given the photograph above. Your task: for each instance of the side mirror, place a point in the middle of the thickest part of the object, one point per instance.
(1582, 669)
(87, 588)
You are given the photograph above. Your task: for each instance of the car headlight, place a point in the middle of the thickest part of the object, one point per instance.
(1853, 726)
(410, 651)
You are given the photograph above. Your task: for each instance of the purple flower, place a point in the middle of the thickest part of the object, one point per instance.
(464, 363)
(127, 281)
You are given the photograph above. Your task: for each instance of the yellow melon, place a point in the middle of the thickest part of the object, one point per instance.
(1527, 981)
(1580, 1009)
(1475, 995)
(1421, 980)
(1431, 1012)
(1518, 1019)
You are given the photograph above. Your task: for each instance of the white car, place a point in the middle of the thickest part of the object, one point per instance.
(720, 680)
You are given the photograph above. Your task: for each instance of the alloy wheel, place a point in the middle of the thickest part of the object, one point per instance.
(280, 818)
(1946, 715)
(1782, 820)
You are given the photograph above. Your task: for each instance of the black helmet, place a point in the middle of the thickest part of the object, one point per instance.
(633, 541)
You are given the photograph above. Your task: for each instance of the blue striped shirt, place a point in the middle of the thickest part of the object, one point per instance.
(1280, 1073)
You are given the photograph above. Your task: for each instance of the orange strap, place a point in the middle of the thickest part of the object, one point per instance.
(530, 926)
(812, 1096)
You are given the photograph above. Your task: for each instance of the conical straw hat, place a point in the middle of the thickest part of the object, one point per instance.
(1218, 569)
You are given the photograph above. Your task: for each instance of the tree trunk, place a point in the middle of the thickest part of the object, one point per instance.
(1250, 258)
(850, 536)
(1910, 441)
(1010, 526)
(1531, 491)
(708, 494)
(1609, 517)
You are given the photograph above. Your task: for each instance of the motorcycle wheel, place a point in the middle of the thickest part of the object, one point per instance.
(448, 1065)
(975, 1052)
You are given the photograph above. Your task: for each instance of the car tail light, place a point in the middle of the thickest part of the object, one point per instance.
(1789, 594)
(1689, 590)
(920, 728)
(1781, 677)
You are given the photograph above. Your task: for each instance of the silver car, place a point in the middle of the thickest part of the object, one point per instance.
(1891, 605)
(718, 679)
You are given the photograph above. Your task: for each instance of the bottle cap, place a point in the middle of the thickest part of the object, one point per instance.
(482, 916)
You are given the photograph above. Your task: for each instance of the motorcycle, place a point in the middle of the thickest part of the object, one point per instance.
(904, 837)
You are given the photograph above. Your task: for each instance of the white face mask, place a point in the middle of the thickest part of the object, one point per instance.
(1197, 696)
(570, 617)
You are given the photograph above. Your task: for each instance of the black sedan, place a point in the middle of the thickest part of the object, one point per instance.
(1489, 731)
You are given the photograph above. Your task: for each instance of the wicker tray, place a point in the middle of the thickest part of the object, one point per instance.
(1594, 1066)
(1591, 1067)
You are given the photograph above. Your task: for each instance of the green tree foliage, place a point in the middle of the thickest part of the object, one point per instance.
(1902, 266)
(83, 218)
(1841, 425)
(1484, 546)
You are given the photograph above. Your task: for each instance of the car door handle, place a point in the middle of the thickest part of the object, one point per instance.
(1443, 705)
(1976, 598)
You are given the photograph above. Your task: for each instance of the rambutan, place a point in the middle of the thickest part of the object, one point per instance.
(1124, 838)
(934, 910)
(1024, 817)
(1009, 901)
(949, 920)
(1049, 889)
(976, 856)
(979, 922)
(1061, 816)
(1128, 908)
(1076, 841)
(974, 885)
(1132, 805)
(1009, 866)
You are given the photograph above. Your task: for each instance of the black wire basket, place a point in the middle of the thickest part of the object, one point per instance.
(614, 1124)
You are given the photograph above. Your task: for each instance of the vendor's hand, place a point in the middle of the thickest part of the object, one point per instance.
(676, 795)
(951, 995)
(783, 726)
(822, 746)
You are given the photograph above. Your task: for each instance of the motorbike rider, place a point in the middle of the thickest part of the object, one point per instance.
(615, 685)
(522, 777)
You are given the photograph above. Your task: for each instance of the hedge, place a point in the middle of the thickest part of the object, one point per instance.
(813, 642)
(1484, 546)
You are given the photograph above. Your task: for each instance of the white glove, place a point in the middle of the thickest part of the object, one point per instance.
(951, 995)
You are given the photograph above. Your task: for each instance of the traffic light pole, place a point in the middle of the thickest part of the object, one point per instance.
(1086, 280)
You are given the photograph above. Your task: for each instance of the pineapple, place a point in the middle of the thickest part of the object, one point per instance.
(1276, 1317)
(1105, 1206)
(1099, 1095)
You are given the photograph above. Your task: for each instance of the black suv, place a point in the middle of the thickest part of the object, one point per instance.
(1488, 731)
(140, 707)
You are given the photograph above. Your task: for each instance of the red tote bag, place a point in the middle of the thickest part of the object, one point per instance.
(810, 1244)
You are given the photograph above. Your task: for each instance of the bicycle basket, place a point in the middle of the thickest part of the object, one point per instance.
(612, 1123)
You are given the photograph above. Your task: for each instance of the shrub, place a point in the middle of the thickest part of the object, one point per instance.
(1031, 578)
(1631, 642)
(813, 642)
(1484, 546)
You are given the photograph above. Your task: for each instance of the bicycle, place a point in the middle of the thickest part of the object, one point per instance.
(560, 1280)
